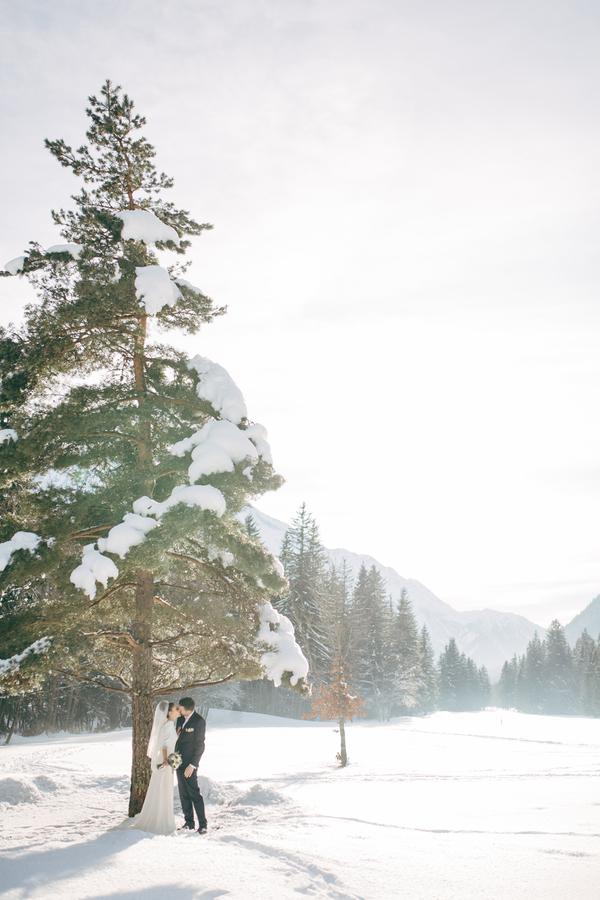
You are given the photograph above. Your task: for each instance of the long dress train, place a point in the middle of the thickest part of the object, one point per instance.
(157, 815)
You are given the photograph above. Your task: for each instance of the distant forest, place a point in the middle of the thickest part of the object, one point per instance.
(553, 678)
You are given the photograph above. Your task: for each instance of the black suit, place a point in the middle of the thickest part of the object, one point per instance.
(190, 744)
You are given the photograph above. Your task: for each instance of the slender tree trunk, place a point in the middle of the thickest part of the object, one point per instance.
(343, 754)
(141, 685)
(10, 731)
(52, 705)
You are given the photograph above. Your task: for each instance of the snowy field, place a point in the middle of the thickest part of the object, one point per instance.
(474, 805)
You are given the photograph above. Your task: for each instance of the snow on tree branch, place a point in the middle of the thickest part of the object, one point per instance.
(154, 288)
(133, 530)
(127, 534)
(73, 250)
(203, 495)
(218, 387)
(285, 656)
(94, 567)
(21, 540)
(187, 284)
(258, 435)
(144, 225)
(216, 447)
(14, 266)
(7, 666)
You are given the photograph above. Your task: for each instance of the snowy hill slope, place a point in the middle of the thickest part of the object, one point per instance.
(588, 618)
(487, 635)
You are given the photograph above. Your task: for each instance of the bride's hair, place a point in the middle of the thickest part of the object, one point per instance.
(169, 708)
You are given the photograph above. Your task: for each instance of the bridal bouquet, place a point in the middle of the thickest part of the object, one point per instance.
(174, 760)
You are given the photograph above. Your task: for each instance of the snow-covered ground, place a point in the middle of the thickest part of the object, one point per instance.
(475, 805)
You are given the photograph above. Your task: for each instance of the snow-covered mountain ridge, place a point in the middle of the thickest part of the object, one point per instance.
(489, 636)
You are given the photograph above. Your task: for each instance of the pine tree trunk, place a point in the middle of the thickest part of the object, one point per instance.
(141, 698)
(343, 754)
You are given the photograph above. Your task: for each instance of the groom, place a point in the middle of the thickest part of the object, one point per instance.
(190, 744)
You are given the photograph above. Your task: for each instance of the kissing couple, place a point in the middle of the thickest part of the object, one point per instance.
(176, 743)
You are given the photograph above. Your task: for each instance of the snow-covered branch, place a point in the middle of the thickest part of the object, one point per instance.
(21, 540)
(13, 663)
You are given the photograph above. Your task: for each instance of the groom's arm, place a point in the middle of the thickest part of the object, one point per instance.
(198, 746)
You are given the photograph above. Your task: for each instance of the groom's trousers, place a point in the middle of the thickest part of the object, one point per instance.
(191, 798)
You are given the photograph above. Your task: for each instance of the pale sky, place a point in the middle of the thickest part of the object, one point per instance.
(405, 201)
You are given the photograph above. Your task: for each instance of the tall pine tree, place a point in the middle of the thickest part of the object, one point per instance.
(374, 666)
(406, 648)
(305, 602)
(123, 462)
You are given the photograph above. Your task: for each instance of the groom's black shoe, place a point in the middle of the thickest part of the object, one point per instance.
(186, 827)
(203, 829)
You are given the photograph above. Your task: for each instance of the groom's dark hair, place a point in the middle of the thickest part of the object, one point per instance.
(187, 703)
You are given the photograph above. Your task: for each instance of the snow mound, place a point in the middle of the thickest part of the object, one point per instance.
(144, 225)
(258, 795)
(14, 791)
(46, 784)
(213, 792)
(228, 795)
(154, 288)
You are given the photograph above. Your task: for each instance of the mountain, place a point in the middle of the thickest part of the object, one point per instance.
(588, 618)
(489, 636)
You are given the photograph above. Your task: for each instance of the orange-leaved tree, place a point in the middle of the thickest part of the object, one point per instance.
(335, 701)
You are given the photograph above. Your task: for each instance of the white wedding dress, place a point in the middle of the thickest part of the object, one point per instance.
(157, 814)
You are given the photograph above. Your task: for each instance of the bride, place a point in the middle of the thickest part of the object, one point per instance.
(157, 813)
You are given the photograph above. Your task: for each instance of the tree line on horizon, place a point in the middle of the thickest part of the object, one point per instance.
(552, 677)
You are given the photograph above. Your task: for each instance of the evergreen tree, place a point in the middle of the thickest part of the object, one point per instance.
(252, 529)
(375, 662)
(558, 671)
(585, 656)
(305, 602)
(507, 686)
(461, 684)
(340, 635)
(99, 420)
(427, 689)
(533, 679)
(450, 677)
(406, 648)
(485, 688)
